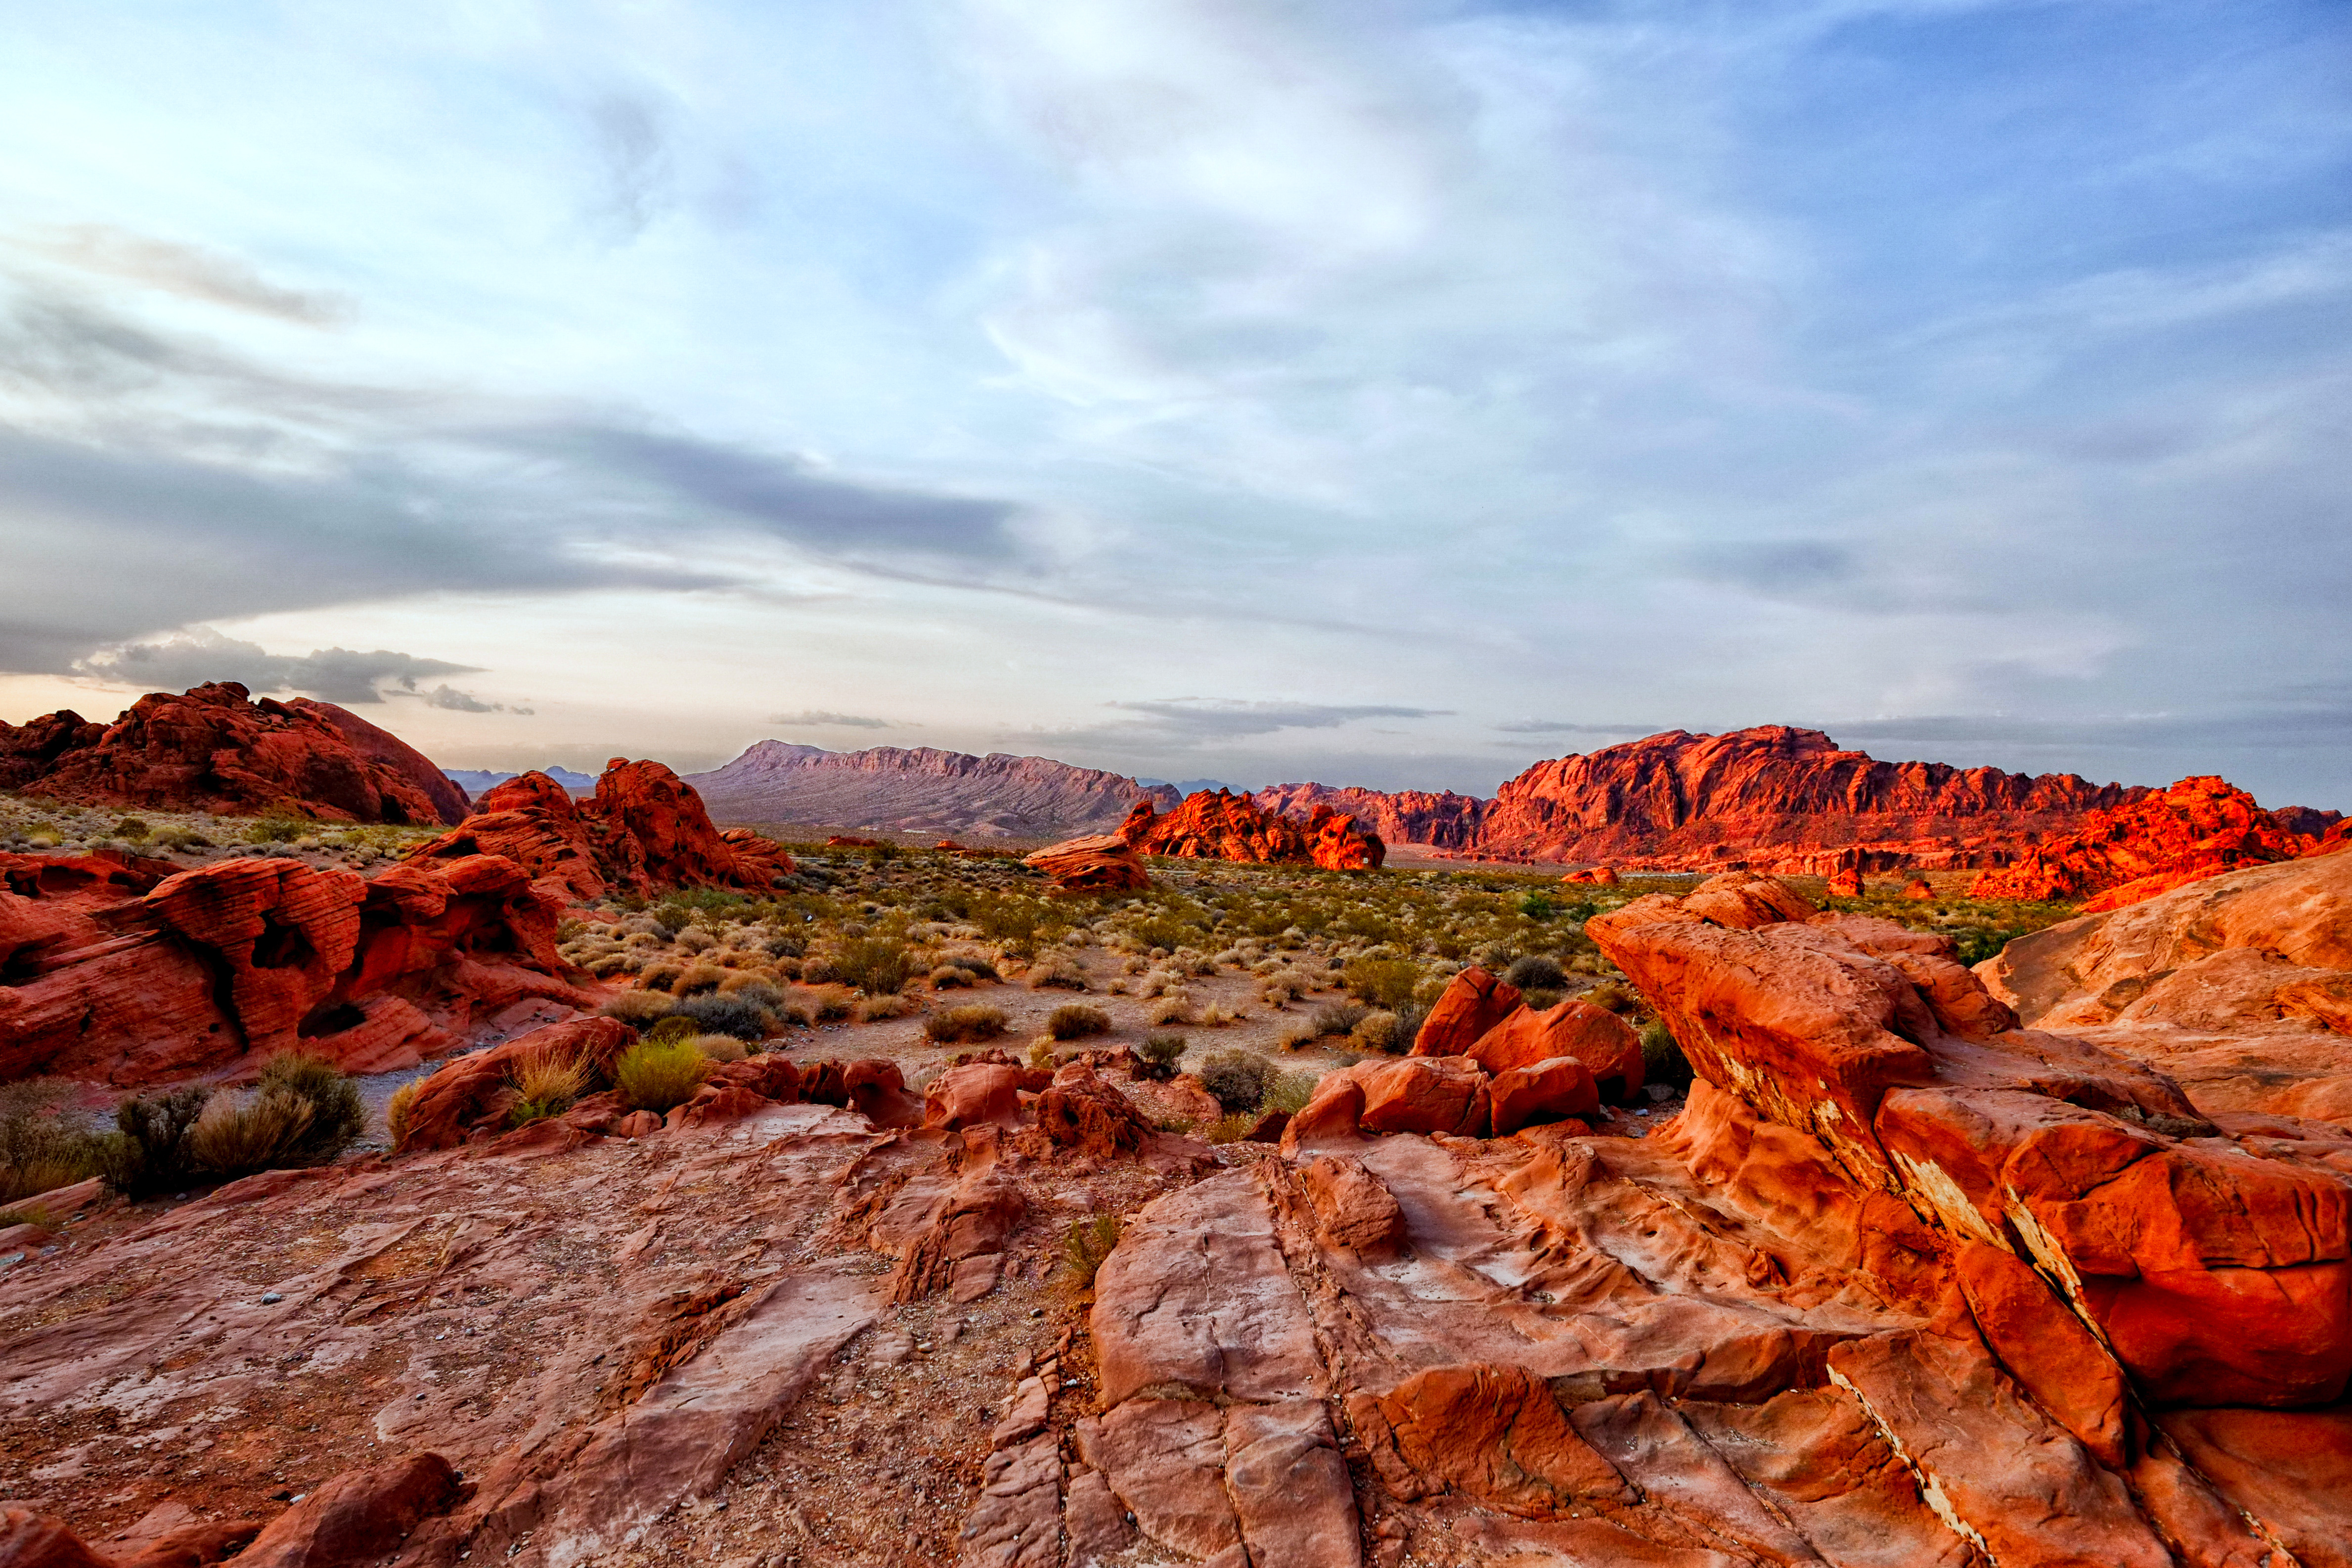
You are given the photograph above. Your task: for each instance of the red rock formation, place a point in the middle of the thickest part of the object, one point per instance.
(1101, 864)
(2199, 827)
(119, 971)
(1447, 820)
(1606, 1045)
(1593, 876)
(643, 829)
(380, 745)
(212, 750)
(1471, 1002)
(1218, 825)
(1774, 798)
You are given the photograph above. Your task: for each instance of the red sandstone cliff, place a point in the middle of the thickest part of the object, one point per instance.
(214, 750)
(1444, 818)
(1218, 825)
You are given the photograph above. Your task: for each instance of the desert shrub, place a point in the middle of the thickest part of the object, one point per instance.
(720, 1048)
(275, 830)
(971, 1021)
(696, 939)
(545, 1084)
(660, 974)
(675, 1027)
(1174, 1008)
(874, 1009)
(177, 837)
(1076, 1021)
(1239, 1080)
(132, 829)
(1538, 1000)
(152, 1156)
(659, 1076)
(821, 1003)
(948, 976)
(1377, 1031)
(713, 1014)
(1339, 1018)
(1216, 1017)
(1535, 973)
(1232, 1128)
(337, 1117)
(1161, 1054)
(234, 1138)
(752, 989)
(1041, 1056)
(695, 978)
(1661, 1057)
(39, 1147)
(1084, 1246)
(1618, 997)
(1290, 1091)
(1537, 907)
(397, 1109)
(874, 964)
(1297, 1037)
(1049, 974)
(1382, 981)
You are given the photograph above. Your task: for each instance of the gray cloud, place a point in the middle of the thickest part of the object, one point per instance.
(817, 716)
(457, 701)
(628, 134)
(1772, 566)
(186, 270)
(1195, 720)
(334, 674)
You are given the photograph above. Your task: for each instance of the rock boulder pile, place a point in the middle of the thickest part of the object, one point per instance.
(1218, 825)
(2199, 827)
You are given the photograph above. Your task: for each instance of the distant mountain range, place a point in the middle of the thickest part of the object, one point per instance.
(923, 790)
(473, 780)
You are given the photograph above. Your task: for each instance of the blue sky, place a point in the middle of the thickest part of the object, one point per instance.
(1383, 393)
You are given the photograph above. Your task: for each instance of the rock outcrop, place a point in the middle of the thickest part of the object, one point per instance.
(2199, 827)
(115, 968)
(1440, 818)
(644, 829)
(1103, 863)
(214, 750)
(920, 790)
(1218, 825)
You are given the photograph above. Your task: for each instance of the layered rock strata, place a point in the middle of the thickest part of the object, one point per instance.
(214, 750)
(1103, 863)
(1218, 825)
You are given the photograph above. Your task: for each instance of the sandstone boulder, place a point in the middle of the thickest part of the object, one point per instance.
(1606, 1045)
(1473, 1003)
(1103, 863)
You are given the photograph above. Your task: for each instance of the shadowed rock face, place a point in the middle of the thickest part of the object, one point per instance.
(921, 789)
(213, 750)
(2198, 828)
(1443, 818)
(1218, 825)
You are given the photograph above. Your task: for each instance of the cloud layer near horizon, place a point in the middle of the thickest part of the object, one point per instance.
(1434, 385)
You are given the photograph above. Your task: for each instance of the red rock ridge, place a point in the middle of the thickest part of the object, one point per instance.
(644, 829)
(2198, 828)
(213, 750)
(1444, 818)
(1218, 825)
(380, 745)
(921, 790)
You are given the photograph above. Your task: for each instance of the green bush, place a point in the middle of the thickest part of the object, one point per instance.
(1161, 1054)
(1239, 1080)
(971, 1021)
(152, 1155)
(1076, 1021)
(1085, 1246)
(1384, 983)
(132, 829)
(1535, 973)
(659, 1075)
(178, 838)
(874, 964)
(1662, 1059)
(275, 830)
(1290, 1091)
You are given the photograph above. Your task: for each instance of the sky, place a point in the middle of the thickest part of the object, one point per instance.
(1381, 392)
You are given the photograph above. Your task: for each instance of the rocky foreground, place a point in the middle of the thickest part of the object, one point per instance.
(2047, 1265)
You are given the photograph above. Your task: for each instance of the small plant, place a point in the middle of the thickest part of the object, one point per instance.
(39, 1147)
(132, 829)
(673, 1029)
(713, 1013)
(696, 939)
(662, 975)
(1535, 973)
(1377, 1031)
(1661, 1057)
(961, 1025)
(177, 837)
(874, 1009)
(1076, 1021)
(720, 1048)
(1339, 1018)
(696, 978)
(1041, 1056)
(1232, 1128)
(1382, 981)
(1174, 1008)
(267, 1133)
(337, 1118)
(1537, 907)
(948, 976)
(545, 1084)
(398, 1110)
(1084, 1247)
(659, 1076)
(152, 1156)
(1239, 1080)
(1290, 1091)
(876, 965)
(1161, 1054)
(1056, 974)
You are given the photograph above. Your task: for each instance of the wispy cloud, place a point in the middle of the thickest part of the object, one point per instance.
(190, 271)
(819, 718)
(336, 674)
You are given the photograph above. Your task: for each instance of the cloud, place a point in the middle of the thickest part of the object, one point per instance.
(1197, 721)
(332, 674)
(633, 155)
(457, 701)
(818, 717)
(190, 271)
(1563, 727)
